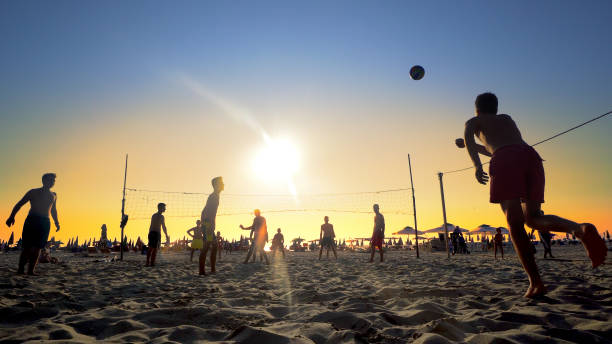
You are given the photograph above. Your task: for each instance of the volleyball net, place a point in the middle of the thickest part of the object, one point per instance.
(141, 204)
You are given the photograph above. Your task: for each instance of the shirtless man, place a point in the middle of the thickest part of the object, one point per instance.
(260, 231)
(37, 225)
(157, 223)
(209, 218)
(278, 243)
(197, 243)
(517, 183)
(378, 235)
(326, 238)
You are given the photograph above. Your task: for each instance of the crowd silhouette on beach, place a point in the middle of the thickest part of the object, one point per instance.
(516, 177)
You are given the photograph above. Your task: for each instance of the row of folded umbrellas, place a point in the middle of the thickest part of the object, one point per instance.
(482, 229)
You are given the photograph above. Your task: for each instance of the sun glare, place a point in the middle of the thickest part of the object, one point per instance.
(277, 161)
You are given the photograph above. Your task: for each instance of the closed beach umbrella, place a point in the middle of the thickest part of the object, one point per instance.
(11, 239)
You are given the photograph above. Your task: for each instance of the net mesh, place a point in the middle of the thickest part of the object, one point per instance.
(140, 204)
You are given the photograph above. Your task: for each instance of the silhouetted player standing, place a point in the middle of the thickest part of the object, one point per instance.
(260, 229)
(158, 222)
(517, 183)
(326, 238)
(378, 235)
(208, 219)
(37, 225)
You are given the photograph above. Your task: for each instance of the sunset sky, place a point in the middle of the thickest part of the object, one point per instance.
(191, 89)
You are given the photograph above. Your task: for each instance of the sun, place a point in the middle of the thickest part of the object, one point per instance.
(277, 161)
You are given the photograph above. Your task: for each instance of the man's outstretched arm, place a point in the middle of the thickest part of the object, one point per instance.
(25, 199)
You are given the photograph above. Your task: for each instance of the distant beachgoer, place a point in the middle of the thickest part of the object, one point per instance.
(158, 222)
(498, 242)
(219, 243)
(197, 241)
(278, 243)
(326, 238)
(103, 236)
(378, 235)
(37, 224)
(546, 238)
(208, 222)
(517, 183)
(260, 231)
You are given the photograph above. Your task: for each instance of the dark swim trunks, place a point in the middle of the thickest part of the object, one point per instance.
(516, 172)
(154, 239)
(327, 242)
(36, 231)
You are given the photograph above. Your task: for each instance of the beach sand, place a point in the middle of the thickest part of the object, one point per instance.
(471, 298)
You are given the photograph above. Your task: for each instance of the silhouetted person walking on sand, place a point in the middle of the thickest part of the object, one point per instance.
(197, 241)
(517, 183)
(498, 242)
(209, 218)
(37, 224)
(260, 230)
(326, 238)
(278, 243)
(157, 223)
(378, 235)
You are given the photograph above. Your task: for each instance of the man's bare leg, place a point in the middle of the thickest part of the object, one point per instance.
(334, 250)
(203, 253)
(381, 253)
(495, 252)
(191, 258)
(587, 233)
(153, 256)
(320, 252)
(372, 254)
(213, 259)
(149, 252)
(501, 248)
(33, 258)
(23, 259)
(249, 252)
(522, 245)
(263, 253)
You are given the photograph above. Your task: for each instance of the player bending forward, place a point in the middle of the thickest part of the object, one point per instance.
(517, 184)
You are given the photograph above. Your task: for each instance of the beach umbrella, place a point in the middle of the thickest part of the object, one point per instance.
(76, 242)
(450, 227)
(406, 231)
(484, 229)
(11, 239)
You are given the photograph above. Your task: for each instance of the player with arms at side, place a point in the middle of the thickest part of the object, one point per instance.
(517, 184)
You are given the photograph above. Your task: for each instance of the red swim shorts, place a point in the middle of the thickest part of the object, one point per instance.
(377, 240)
(516, 171)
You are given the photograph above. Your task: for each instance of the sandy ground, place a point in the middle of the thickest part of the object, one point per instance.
(470, 298)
